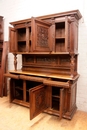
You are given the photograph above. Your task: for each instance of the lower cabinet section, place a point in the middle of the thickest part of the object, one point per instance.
(44, 97)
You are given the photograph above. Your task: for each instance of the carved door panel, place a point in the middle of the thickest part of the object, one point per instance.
(38, 100)
(41, 35)
(12, 40)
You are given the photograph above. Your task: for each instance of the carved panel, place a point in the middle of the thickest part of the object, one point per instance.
(37, 100)
(46, 60)
(28, 59)
(42, 36)
(65, 61)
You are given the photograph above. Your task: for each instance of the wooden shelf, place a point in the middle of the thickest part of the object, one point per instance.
(59, 76)
(21, 102)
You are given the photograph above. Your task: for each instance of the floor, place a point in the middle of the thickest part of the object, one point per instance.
(15, 117)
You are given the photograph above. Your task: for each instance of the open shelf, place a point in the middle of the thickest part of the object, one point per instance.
(60, 30)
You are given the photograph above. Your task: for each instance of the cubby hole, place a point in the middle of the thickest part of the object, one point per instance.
(21, 34)
(18, 89)
(60, 45)
(22, 46)
(55, 103)
(55, 98)
(60, 30)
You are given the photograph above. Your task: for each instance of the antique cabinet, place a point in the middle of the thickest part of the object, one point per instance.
(47, 81)
(3, 54)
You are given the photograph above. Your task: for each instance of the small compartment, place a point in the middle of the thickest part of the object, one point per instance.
(55, 103)
(60, 30)
(21, 34)
(18, 94)
(18, 89)
(60, 45)
(22, 46)
(55, 98)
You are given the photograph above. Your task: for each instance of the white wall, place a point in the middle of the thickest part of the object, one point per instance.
(14, 10)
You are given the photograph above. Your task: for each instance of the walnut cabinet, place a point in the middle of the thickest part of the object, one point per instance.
(47, 81)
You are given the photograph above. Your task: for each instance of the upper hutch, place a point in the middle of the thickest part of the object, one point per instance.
(47, 80)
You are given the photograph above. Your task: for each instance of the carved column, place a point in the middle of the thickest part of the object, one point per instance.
(15, 61)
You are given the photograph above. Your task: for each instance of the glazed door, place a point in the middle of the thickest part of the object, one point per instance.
(41, 35)
(38, 100)
(12, 39)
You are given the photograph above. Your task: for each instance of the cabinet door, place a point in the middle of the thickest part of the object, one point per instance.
(12, 39)
(62, 32)
(38, 100)
(41, 35)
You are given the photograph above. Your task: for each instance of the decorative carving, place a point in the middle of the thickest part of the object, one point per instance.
(46, 60)
(30, 59)
(40, 99)
(65, 61)
(42, 36)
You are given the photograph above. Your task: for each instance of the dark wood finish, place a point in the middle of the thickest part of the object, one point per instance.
(48, 78)
(3, 60)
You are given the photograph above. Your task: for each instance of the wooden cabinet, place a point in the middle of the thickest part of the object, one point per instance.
(56, 34)
(3, 54)
(48, 78)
